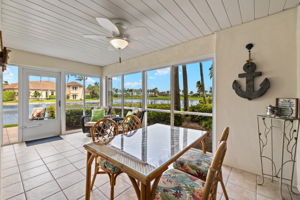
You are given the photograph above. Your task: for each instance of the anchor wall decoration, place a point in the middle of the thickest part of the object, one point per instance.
(250, 67)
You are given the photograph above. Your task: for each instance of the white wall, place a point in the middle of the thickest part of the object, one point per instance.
(184, 52)
(275, 55)
(274, 52)
(24, 58)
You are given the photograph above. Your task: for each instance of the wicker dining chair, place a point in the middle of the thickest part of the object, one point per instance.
(175, 183)
(102, 133)
(129, 125)
(197, 162)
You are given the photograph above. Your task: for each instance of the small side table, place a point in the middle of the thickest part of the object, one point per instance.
(289, 128)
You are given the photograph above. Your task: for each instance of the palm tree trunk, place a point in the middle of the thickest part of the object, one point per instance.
(202, 83)
(176, 89)
(185, 88)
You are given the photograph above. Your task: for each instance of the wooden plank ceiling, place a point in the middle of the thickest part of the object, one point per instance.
(55, 27)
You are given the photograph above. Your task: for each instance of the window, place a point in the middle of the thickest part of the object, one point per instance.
(192, 94)
(82, 93)
(133, 90)
(10, 104)
(158, 89)
(92, 91)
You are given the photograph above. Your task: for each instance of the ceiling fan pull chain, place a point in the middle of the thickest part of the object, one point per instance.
(120, 59)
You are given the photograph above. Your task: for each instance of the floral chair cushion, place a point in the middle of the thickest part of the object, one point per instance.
(194, 162)
(175, 184)
(107, 166)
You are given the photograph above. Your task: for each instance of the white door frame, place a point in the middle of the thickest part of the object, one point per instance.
(24, 112)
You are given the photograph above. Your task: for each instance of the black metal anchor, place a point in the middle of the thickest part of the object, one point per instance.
(250, 67)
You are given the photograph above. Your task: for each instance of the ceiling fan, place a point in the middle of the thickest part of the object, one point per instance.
(121, 35)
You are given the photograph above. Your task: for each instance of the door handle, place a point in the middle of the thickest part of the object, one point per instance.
(32, 126)
(59, 103)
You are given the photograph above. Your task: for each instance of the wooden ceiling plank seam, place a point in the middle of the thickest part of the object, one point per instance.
(261, 8)
(205, 11)
(247, 10)
(179, 35)
(43, 16)
(194, 16)
(47, 31)
(233, 11)
(85, 40)
(290, 4)
(41, 35)
(200, 15)
(101, 11)
(226, 13)
(216, 12)
(81, 53)
(166, 36)
(51, 28)
(59, 16)
(180, 16)
(61, 54)
(128, 15)
(39, 12)
(208, 15)
(52, 8)
(276, 6)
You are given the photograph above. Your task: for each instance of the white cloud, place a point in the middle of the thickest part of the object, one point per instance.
(9, 76)
(89, 80)
(132, 84)
(160, 72)
(116, 78)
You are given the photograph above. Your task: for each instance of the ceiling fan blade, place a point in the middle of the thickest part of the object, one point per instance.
(108, 25)
(138, 32)
(95, 37)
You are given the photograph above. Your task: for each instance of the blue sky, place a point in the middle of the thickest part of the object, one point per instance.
(160, 78)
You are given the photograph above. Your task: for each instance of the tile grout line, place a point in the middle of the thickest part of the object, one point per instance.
(52, 177)
(19, 173)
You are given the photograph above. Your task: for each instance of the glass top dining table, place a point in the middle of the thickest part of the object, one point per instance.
(148, 151)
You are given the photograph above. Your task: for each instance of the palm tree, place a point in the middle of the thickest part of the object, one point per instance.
(202, 83)
(211, 72)
(176, 89)
(185, 88)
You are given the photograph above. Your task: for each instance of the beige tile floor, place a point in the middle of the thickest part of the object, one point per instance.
(56, 171)
(10, 135)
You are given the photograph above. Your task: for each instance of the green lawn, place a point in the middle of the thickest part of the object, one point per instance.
(159, 97)
(50, 101)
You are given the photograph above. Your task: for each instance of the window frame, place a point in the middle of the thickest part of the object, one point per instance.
(64, 99)
(145, 96)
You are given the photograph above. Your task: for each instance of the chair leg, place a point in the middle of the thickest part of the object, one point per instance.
(95, 174)
(112, 186)
(223, 186)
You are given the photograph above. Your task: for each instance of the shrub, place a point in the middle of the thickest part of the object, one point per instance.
(52, 96)
(205, 122)
(73, 118)
(9, 95)
(51, 111)
(87, 96)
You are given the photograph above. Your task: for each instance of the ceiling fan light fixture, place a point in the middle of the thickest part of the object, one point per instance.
(119, 43)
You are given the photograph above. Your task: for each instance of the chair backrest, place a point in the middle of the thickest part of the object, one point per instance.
(214, 173)
(104, 131)
(225, 134)
(130, 124)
